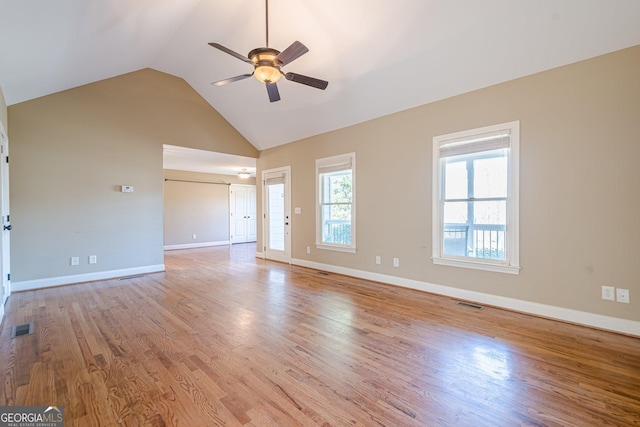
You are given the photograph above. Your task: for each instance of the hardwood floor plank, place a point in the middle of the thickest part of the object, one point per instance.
(225, 339)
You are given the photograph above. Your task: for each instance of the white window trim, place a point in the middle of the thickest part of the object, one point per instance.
(512, 265)
(328, 162)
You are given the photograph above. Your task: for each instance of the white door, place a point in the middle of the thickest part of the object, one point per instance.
(252, 214)
(238, 213)
(277, 214)
(6, 225)
(242, 209)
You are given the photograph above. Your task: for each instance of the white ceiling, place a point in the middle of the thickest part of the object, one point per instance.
(379, 56)
(182, 158)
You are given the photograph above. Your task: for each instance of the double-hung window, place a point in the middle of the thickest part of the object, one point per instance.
(475, 198)
(336, 207)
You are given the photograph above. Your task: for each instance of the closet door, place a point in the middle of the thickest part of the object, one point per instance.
(242, 213)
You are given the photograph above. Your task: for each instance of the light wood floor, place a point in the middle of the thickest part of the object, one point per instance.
(223, 338)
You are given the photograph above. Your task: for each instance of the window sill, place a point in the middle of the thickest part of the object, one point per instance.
(335, 248)
(477, 265)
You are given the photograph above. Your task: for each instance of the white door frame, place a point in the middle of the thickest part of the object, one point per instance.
(284, 256)
(5, 242)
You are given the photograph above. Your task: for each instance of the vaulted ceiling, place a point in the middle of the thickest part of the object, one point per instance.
(379, 56)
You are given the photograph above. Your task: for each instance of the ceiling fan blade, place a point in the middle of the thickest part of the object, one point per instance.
(293, 52)
(230, 52)
(231, 79)
(306, 80)
(272, 90)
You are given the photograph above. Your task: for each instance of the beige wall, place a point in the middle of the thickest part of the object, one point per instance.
(196, 208)
(3, 110)
(71, 152)
(579, 178)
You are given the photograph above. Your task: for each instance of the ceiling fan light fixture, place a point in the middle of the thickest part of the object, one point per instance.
(267, 74)
(244, 174)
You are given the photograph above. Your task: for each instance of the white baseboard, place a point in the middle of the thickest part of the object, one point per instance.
(566, 314)
(28, 285)
(196, 245)
(260, 255)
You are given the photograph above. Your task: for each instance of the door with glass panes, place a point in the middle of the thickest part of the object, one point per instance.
(277, 214)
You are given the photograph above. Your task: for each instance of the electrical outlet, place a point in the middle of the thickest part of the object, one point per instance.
(622, 295)
(378, 260)
(193, 236)
(396, 262)
(608, 293)
(93, 259)
(75, 260)
(308, 249)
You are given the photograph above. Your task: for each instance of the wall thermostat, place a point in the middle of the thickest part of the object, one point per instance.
(127, 188)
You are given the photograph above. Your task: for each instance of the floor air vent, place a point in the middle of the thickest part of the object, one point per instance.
(324, 273)
(470, 305)
(131, 277)
(26, 329)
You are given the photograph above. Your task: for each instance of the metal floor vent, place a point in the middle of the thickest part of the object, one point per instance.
(324, 273)
(470, 305)
(26, 329)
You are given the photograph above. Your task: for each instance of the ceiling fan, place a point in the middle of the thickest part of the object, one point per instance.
(267, 63)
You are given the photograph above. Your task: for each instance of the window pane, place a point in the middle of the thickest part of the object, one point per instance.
(490, 174)
(455, 212)
(494, 212)
(489, 230)
(484, 237)
(336, 187)
(336, 224)
(455, 239)
(455, 182)
(275, 197)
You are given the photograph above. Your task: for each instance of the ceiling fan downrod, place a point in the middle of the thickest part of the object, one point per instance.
(266, 7)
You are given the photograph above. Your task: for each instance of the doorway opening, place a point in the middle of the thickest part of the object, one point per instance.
(206, 201)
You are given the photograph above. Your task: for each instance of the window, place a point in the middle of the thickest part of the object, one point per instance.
(335, 214)
(475, 198)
